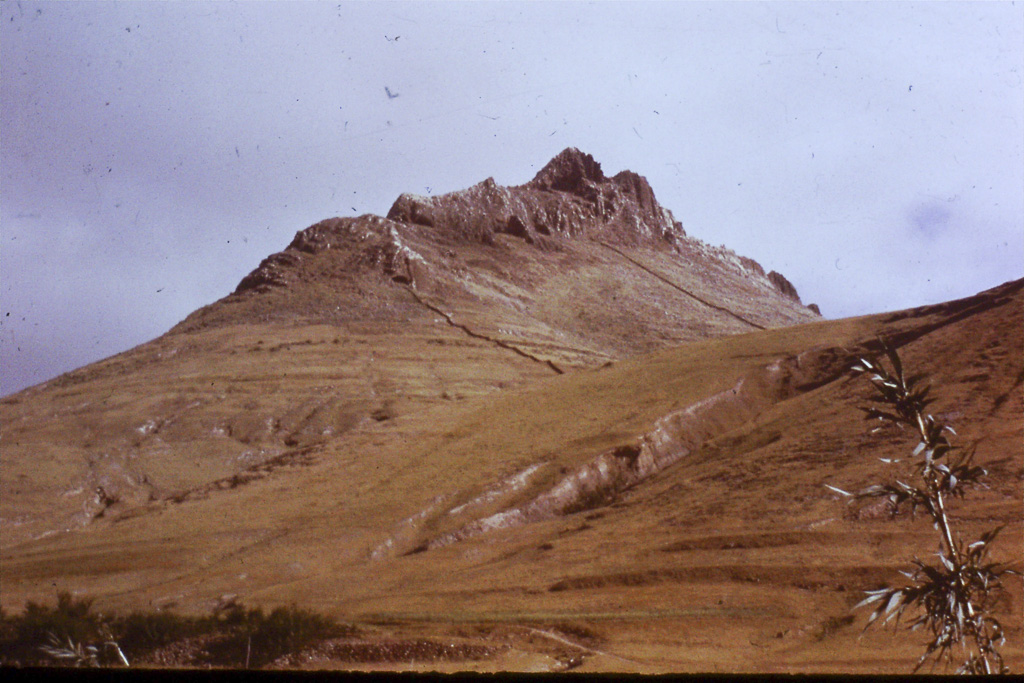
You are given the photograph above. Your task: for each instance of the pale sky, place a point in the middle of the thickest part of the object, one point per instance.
(153, 153)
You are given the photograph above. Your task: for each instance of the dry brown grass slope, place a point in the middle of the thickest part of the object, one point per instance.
(734, 553)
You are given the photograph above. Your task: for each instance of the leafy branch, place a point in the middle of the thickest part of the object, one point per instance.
(79, 654)
(954, 597)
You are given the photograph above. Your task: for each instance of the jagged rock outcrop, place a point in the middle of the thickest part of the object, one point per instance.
(673, 437)
(569, 197)
(784, 285)
(370, 241)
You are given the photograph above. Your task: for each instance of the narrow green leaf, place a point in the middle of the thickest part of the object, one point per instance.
(840, 491)
(894, 601)
(897, 364)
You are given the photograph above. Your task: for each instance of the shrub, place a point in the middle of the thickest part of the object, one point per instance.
(289, 629)
(263, 638)
(71, 618)
(70, 622)
(954, 597)
(143, 632)
(71, 633)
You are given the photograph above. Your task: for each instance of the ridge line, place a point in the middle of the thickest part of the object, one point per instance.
(680, 288)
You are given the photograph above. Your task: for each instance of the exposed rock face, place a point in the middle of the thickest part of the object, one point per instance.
(272, 272)
(570, 171)
(784, 285)
(569, 197)
(371, 241)
(674, 436)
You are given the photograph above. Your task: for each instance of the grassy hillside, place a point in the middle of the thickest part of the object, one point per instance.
(662, 513)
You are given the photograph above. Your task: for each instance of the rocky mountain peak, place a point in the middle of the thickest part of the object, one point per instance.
(568, 171)
(569, 197)
(461, 245)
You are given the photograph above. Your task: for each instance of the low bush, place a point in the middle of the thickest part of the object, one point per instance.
(142, 632)
(289, 629)
(252, 638)
(71, 618)
(70, 621)
(71, 633)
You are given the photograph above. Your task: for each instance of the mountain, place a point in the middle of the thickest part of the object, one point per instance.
(360, 320)
(573, 268)
(541, 421)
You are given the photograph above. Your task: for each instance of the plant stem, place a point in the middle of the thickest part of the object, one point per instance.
(953, 553)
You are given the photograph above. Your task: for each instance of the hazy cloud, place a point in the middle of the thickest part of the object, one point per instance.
(931, 218)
